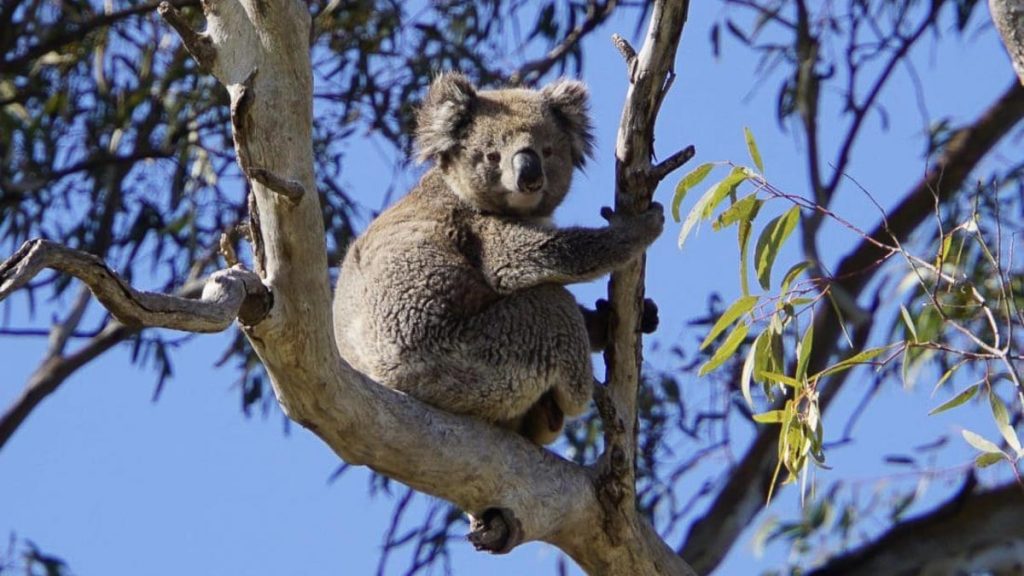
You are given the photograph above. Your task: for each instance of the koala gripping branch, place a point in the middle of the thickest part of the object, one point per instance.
(259, 50)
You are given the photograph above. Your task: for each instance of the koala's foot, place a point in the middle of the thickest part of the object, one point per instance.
(597, 321)
(497, 531)
(542, 424)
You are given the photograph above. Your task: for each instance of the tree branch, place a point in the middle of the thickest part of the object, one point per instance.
(78, 30)
(531, 71)
(221, 302)
(651, 73)
(740, 500)
(974, 532)
(53, 371)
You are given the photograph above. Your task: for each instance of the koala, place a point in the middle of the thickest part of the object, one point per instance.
(456, 294)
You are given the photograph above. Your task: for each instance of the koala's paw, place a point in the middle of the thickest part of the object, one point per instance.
(648, 223)
(649, 318)
(497, 531)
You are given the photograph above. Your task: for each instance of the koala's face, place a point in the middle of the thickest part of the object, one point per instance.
(507, 151)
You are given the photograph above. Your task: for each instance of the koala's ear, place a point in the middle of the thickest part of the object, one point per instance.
(570, 105)
(446, 112)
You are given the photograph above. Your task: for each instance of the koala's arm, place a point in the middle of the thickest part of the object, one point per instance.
(516, 255)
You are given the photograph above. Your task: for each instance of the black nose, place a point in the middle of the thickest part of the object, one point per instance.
(529, 173)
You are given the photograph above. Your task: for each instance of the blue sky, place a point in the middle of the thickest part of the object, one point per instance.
(116, 484)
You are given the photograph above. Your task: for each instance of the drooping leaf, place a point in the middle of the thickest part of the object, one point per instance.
(946, 375)
(957, 400)
(738, 308)
(980, 443)
(732, 342)
(769, 243)
(803, 351)
(749, 363)
(755, 155)
(791, 274)
(743, 235)
(908, 322)
(1002, 418)
(696, 176)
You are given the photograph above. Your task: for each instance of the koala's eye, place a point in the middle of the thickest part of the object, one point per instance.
(493, 157)
(547, 151)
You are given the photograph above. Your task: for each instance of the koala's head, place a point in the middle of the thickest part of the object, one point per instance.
(510, 151)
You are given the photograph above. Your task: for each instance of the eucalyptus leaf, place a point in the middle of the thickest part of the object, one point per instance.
(755, 154)
(957, 400)
(696, 176)
(738, 308)
(769, 243)
(980, 443)
(732, 342)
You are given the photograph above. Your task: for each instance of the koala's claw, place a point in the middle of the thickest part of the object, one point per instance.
(497, 531)
(649, 319)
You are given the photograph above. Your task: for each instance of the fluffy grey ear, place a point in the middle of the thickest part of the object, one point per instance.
(570, 105)
(446, 112)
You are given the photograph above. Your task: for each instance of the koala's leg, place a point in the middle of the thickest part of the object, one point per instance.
(498, 364)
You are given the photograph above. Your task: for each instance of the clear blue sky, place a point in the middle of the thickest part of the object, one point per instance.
(116, 484)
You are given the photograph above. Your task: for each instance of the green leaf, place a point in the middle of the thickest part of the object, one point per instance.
(696, 176)
(704, 207)
(770, 417)
(803, 351)
(748, 368)
(947, 241)
(908, 322)
(755, 155)
(743, 235)
(957, 400)
(732, 342)
(794, 271)
(947, 374)
(1003, 421)
(780, 378)
(986, 459)
(722, 189)
(980, 443)
(744, 209)
(769, 242)
(862, 357)
(738, 308)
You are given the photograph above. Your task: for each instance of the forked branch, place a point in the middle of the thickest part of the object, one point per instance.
(228, 294)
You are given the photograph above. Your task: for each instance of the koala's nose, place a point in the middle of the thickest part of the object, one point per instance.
(529, 173)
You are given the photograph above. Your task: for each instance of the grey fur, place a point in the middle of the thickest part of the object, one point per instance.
(456, 295)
